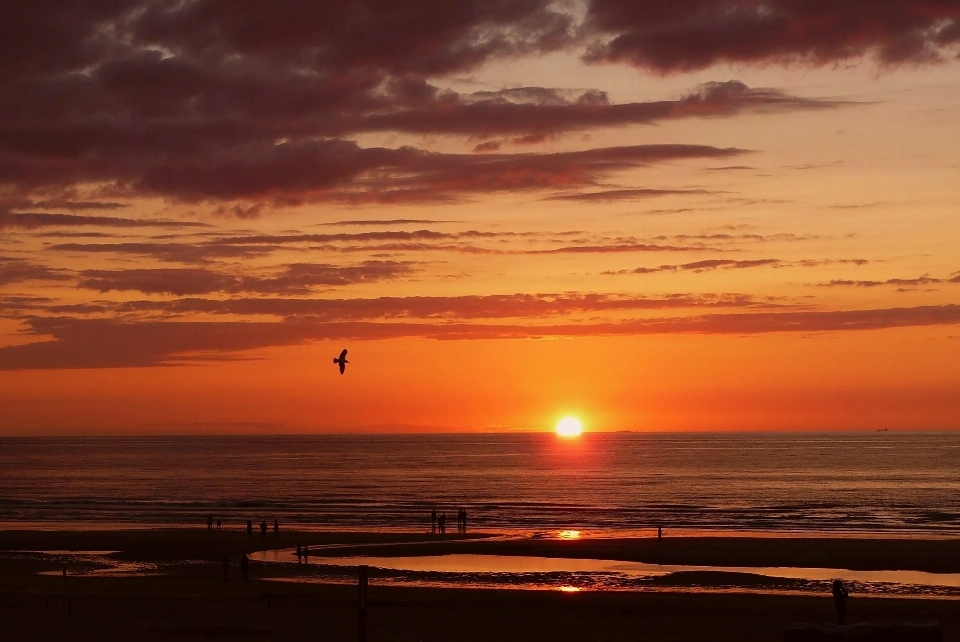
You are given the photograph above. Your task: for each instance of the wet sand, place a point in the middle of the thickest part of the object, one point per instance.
(189, 600)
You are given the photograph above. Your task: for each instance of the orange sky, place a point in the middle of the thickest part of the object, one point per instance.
(196, 216)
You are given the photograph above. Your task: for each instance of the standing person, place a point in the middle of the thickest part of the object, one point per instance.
(299, 553)
(433, 521)
(245, 568)
(443, 523)
(306, 554)
(209, 523)
(263, 527)
(464, 520)
(219, 523)
(840, 596)
(249, 527)
(276, 527)
(659, 534)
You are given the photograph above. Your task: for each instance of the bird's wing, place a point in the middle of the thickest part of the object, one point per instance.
(343, 355)
(343, 367)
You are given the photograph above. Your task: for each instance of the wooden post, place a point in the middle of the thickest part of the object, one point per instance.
(362, 606)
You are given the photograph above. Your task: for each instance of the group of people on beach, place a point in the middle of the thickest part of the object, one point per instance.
(438, 523)
(263, 525)
(303, 553)
(244, 568)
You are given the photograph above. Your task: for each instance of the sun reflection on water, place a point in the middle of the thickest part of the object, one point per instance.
(568, 589)
(569, 534)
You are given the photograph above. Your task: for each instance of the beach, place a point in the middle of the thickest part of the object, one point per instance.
(169, 584)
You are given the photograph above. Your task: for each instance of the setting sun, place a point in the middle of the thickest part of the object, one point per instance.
(569, 427)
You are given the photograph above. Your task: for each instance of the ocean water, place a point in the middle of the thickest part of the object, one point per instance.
(884, 482)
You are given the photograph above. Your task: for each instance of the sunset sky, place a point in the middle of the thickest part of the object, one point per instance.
(651, 215)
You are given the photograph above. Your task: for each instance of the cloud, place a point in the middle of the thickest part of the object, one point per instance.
(684, 36)
(297, 278)
(531, 114)
(625, 194)
(19, 271)
(335, 170)
(380, 241)
(240, 105)
(391, 221)
(169, 252)
(618, 248)
(111, 343)
(464, 307)
(704, 266)
(34, 220)
(902, 283)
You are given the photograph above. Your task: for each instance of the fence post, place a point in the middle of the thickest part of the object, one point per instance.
(362, 606)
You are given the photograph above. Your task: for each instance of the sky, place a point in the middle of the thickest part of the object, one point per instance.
(653, 216)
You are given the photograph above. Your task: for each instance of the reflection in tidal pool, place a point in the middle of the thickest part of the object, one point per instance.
(505, 571)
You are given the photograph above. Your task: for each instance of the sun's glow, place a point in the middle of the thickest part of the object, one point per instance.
(569, 427)
(569, 589)
(569, 534)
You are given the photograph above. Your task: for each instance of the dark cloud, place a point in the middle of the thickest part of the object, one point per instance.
(625, 194)
(531, 114)
(683, 36)
(343, 171)
(169, 252)
(465, 307)
(391, 221)
(14, 270)
(618, 248)
(297, 278)
(243, 104)
(371, 242)
(65, 342)
(902, 283)
(704, 266)
(34, 220)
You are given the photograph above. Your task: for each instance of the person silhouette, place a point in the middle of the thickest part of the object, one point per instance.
(249, 527)
(306, 554)
(464, 520)
(443, 523)
(263, 527)
(433, 521)
(840, 596)
(219, 523)
(276, 526)
(299, 553)
(245, 568)
(659, 534)
(209, 523)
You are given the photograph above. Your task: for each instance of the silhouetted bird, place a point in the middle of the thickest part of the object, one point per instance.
(342, 361)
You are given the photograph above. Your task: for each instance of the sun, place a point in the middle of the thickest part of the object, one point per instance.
(569, 427)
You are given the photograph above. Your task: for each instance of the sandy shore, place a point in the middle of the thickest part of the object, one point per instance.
(189, 600)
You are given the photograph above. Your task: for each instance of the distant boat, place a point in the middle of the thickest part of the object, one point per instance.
(882, 429)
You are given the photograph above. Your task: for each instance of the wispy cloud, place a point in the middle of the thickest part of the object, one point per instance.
(111, 343)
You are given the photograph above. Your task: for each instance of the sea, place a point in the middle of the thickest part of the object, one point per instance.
(602, 484)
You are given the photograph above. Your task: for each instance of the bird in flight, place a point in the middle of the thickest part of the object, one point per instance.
(342, 361)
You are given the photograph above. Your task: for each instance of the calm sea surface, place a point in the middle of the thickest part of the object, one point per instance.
(603, 483)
